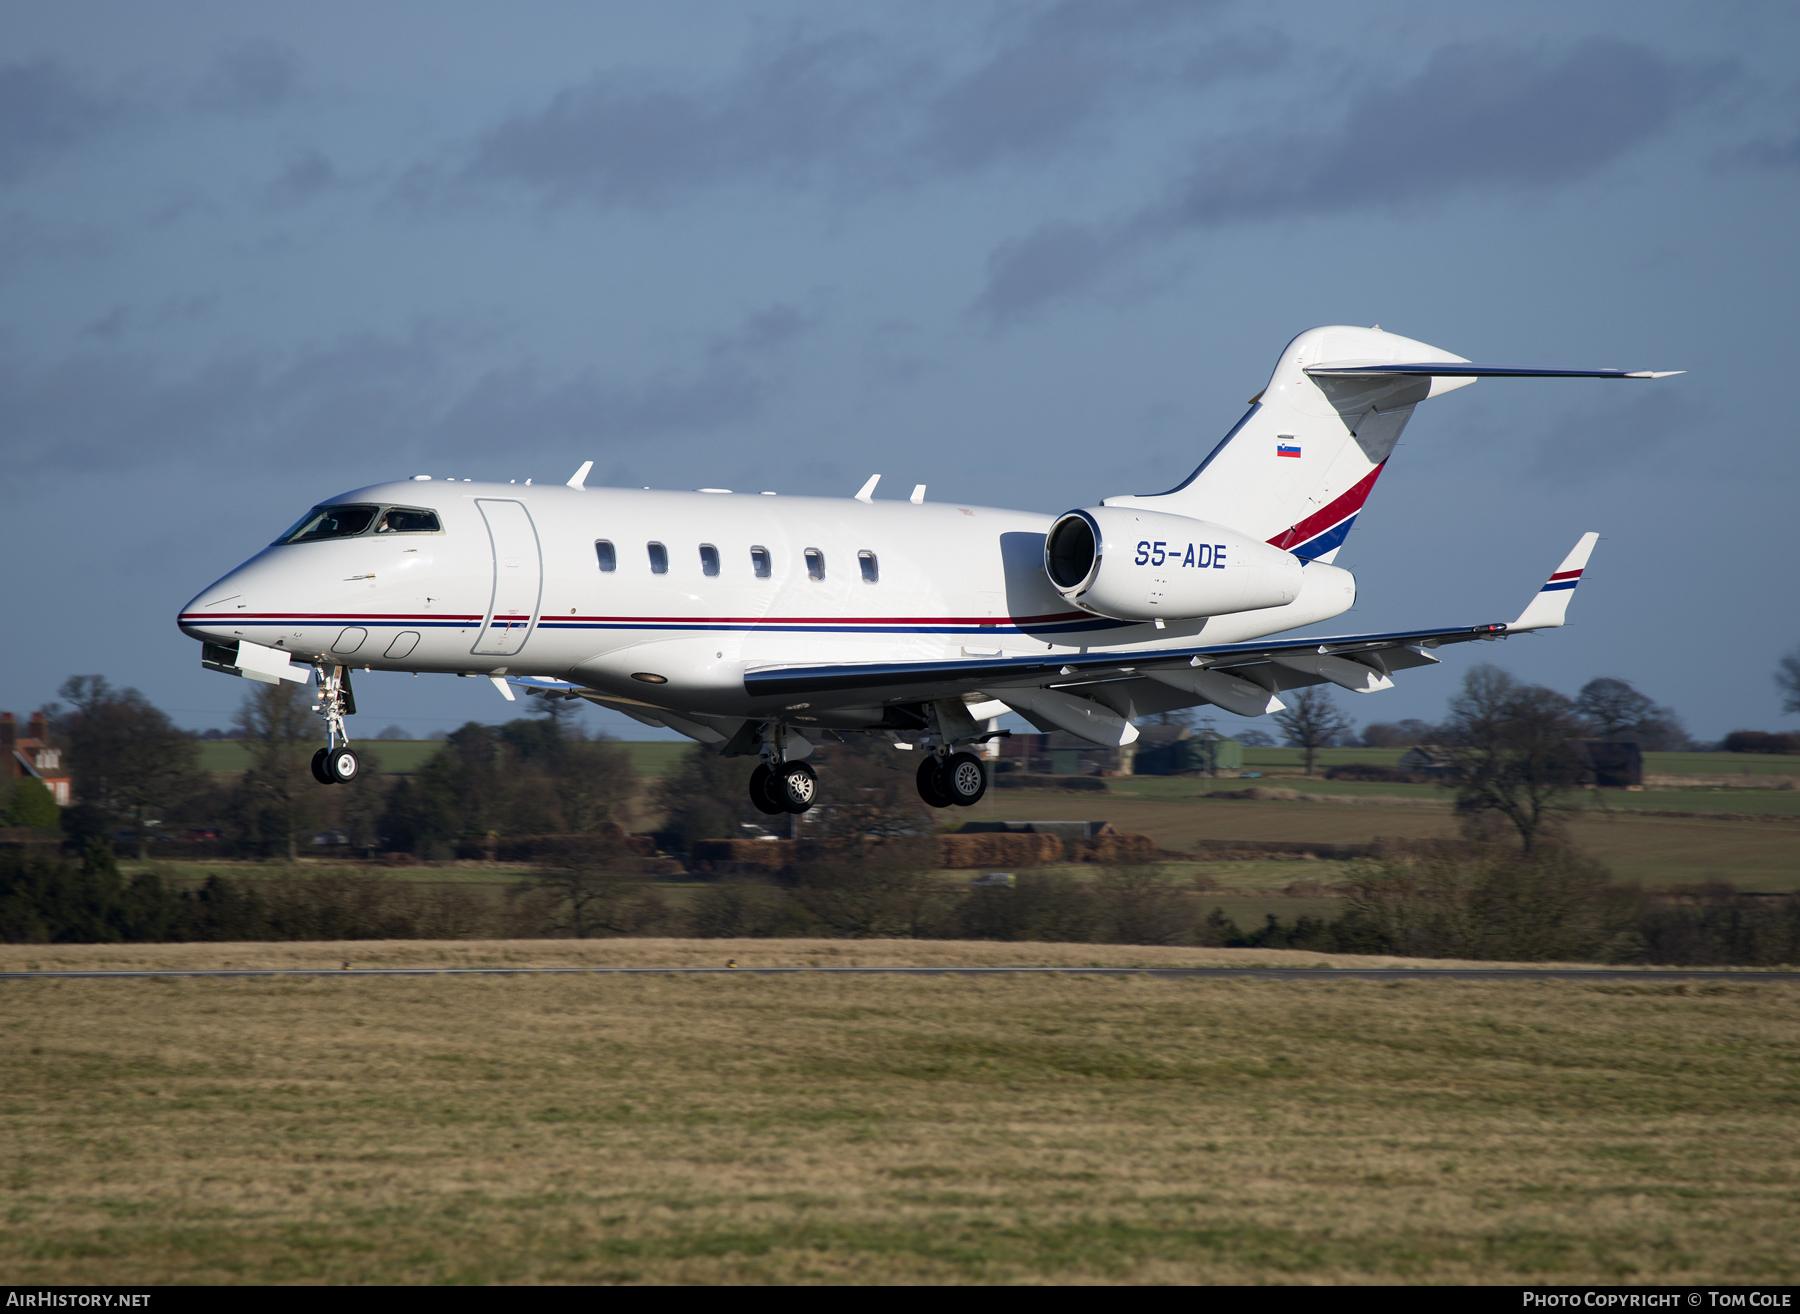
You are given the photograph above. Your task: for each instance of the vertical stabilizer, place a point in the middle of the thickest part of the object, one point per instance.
(1296, 470)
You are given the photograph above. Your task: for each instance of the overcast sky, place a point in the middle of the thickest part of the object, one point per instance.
(252, 255)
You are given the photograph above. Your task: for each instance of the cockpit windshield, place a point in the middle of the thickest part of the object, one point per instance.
(348, 521)
(407, 520)
(330, 522)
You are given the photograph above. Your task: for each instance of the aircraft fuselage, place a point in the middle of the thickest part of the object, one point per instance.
(702, 586)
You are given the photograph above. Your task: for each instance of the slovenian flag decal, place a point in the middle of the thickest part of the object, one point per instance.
(1287, 449)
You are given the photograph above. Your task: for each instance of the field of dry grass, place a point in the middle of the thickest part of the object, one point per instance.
(1654, 851)
(745, 1129)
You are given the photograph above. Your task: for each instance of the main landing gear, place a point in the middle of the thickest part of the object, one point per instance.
(336, 763)
(779, 785)
(789, 787)
(957, 779)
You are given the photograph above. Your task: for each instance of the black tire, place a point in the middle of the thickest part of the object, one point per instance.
(759, 792)
(343, 765)
(794, 785)
(964, 779)
(931, 782)
(322, 772)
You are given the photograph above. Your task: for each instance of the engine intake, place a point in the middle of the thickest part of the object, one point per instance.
(1147, 565)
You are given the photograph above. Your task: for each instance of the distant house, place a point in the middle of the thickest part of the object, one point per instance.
(1162, 754)
(1430, 761)
(34, 755)
(1609, 764)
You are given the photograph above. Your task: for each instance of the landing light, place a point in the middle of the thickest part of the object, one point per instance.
(648, 678)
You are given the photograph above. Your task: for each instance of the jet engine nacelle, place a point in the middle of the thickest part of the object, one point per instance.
(1148, 565)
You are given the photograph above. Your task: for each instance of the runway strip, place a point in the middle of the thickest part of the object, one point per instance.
(1672, 976)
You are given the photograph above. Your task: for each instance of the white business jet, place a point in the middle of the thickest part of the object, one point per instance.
(763, 625)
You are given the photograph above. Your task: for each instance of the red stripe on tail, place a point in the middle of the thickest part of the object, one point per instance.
(1324, 518)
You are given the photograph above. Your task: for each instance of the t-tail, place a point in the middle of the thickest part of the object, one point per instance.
(1296, 471)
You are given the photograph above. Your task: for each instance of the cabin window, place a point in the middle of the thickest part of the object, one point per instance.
(760, 562)
(609, 559)
(709, 559)
(330, 522)
(408, 520)
(815, 564)
(871, 569)
(659, 559)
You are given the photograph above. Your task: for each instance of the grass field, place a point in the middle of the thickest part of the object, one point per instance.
(742, 1129)
(1674, 764)
(1655, 851)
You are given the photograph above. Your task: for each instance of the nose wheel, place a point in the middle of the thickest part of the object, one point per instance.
(335, 766)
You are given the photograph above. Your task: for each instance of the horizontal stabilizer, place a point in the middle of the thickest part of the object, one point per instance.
(1547, 609)
(1350, 369)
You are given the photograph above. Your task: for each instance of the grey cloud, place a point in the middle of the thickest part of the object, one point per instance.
(1065, 69)
(254, 78)
(789, 111)
(44, 111)
(764, 331)
(1601, 443)
(1056, 259)
(849, 110)
(1476, 116)
(306, 174)
(113, 410)
(1771, 153)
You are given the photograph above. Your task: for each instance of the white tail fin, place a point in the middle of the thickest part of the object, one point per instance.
(1547, 610)
(1297, 469)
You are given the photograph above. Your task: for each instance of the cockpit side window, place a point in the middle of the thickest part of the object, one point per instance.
(408, 520)
(330, 522)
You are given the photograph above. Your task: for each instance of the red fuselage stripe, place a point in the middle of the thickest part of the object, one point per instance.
(343, 618)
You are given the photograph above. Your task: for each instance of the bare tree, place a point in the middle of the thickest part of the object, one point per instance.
(278, 794)
(1510, 743)
(1787, 678)
(129, 760)
(1311, 722)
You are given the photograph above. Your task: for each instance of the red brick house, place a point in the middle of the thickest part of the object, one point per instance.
(34, 755)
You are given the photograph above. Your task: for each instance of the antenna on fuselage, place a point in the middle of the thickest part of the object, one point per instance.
(868, 490)
(579, 478)
(918, 497)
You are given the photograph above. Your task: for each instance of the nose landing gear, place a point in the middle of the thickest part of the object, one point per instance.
(336, 763)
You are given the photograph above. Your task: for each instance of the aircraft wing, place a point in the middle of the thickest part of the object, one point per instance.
(1361, 662)
(1097, 694)
(1071, 671)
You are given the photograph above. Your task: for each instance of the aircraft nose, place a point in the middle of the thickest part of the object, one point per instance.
(215, 613)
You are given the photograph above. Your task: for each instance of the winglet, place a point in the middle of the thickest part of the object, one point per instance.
(1547, 609)
(579, 478)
